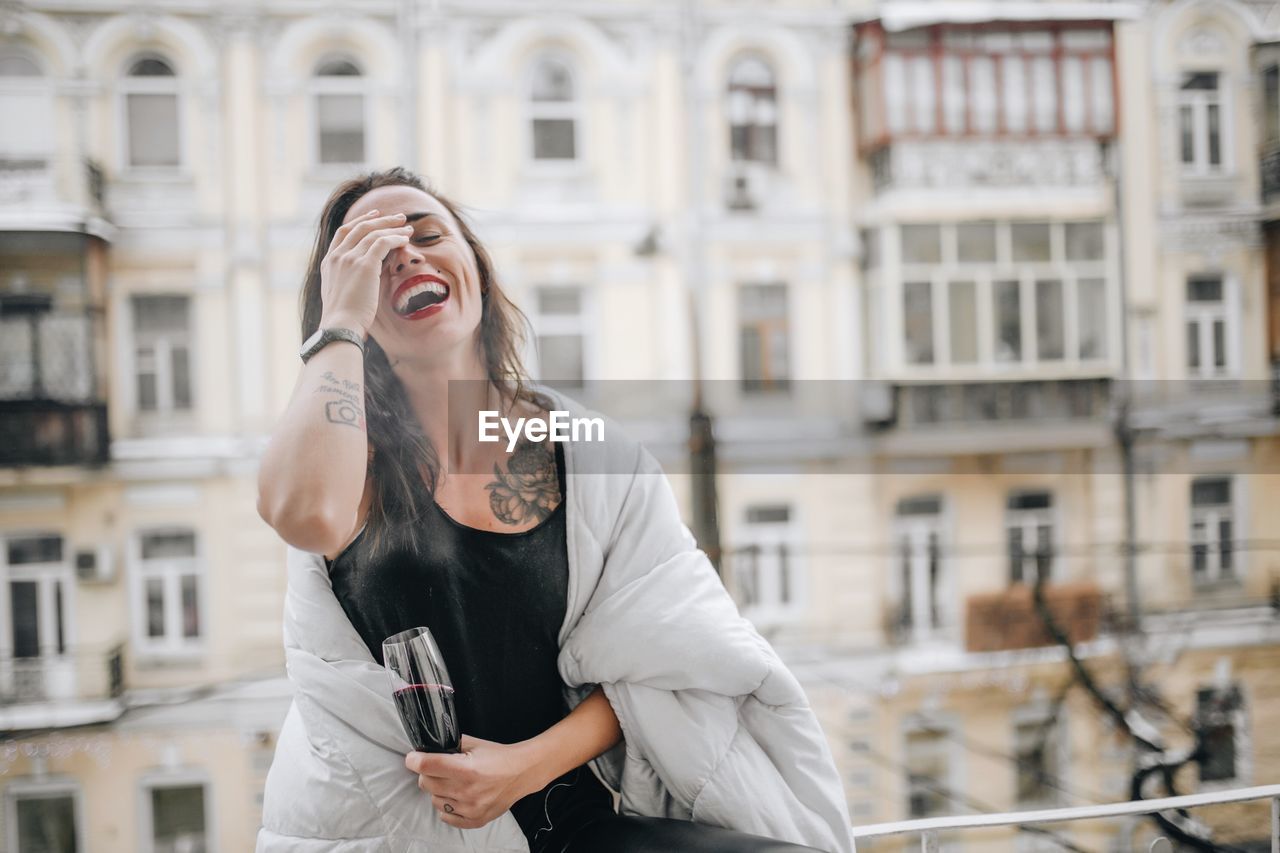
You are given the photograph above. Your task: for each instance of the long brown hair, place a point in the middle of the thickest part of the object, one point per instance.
(402, 458)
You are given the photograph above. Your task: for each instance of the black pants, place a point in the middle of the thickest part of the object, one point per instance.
(614, 833)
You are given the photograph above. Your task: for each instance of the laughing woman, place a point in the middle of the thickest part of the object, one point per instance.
(582, 626)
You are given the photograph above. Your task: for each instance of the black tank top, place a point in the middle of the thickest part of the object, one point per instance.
(494, 603)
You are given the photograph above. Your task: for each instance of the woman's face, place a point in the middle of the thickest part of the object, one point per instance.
(429, 288)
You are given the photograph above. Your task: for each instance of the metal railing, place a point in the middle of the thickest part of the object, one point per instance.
(928, 828)
(76, 675)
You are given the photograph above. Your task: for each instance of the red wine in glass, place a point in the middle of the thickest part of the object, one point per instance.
(422, 690)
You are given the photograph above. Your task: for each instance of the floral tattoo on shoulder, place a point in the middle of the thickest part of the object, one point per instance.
(529, 489)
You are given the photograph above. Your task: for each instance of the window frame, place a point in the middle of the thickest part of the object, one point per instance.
(1060, 744)
(37, 86)
(987, 276)
(950, 749)
(769, 386)
(909, 601)
(583, 324)
(1201, 315)
(164, 411)
(1242, 740)
(176, 778)
(534, 110)
(54, 666)
(1025, 519)
(750, 541)
(1199, 101)
(126, 85)
(317, 85)
(47, 788)
(1212, 515)
(173, 645)
(755, 93)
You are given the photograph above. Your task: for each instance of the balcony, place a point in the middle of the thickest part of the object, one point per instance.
(52, 411)
(994, 105)
(75, 688)
(1008, 620)
(49, 432)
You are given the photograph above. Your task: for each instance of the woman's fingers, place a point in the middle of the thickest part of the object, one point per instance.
(378, 246)
(360, 227)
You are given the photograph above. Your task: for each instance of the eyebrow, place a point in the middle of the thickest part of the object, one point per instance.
(414, 217)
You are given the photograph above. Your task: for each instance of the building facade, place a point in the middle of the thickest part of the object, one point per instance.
(973, 302)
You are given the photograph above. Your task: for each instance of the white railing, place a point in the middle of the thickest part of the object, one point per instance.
(928, 828)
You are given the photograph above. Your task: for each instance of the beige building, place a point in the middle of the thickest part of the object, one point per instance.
(924, 258)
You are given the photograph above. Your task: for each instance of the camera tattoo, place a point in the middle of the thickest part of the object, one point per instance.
(346, 403)
(529, 489)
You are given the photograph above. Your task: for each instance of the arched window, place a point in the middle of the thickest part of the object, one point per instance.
(26, 133)
(753, 111)
(150, 92)
(338, 89)
(553, 111)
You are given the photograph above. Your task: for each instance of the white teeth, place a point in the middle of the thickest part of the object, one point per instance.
(421, 287)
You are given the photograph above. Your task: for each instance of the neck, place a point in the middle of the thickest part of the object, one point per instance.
(447, 394)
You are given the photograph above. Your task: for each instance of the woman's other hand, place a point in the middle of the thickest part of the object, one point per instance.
(472, 787)
(351, 272)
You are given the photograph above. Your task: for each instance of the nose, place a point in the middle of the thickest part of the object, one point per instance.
(401, 256)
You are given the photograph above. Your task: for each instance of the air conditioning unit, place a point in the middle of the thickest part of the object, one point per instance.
(95, 565)
(876, 403)
(743, 188)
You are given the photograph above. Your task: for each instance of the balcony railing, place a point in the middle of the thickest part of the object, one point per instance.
(48, 432)
(928, 828)
(76, 676)
(955, 403)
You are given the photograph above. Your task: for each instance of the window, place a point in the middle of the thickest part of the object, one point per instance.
(43, 818)
(1220, 716)
(1212, 545)
(151, 116)
(987, 80)
(918, 574)
(1039, 747)
(37, 621)
(764, 571)
(561, 327)
(177, 818)
(553, 111)
(987, 294)
(1208, 328)
(1200, 125)
(1029, 532)
(169, 616)
(764, 337)
(338, 92)
(928, 773)
(753, 111)
(162, 353)
(26, 102)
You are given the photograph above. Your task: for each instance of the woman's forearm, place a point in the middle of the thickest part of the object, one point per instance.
(311, 476)
(589, 730)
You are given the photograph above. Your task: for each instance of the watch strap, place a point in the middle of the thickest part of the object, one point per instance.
(324, 337)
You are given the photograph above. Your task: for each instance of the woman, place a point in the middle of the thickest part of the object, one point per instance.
(508, 557)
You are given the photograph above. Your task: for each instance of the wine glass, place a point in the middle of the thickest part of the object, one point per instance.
(422, 690)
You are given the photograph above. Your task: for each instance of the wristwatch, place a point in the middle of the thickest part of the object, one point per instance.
(324, 337)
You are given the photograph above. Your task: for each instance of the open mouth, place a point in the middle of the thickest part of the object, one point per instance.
(417, 296)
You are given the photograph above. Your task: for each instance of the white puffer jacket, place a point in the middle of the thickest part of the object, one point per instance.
(716, 729)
